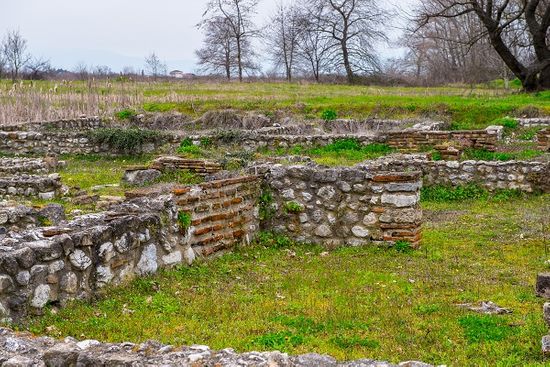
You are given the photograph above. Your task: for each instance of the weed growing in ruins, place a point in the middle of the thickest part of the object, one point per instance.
(282, 341)
(125, 140)
(273, 239)
(188, 149)
(184, 220)
(292, 207)
(329, 114)
(266, 204)
(403, 247)
(348, 150)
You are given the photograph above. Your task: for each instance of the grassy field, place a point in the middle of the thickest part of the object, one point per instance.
(464, 107)
(352, 302)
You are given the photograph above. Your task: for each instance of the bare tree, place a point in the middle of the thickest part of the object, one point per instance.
(355, 25)
(218, 53)
(2, 65)
(518, 30)
(154, 66)
(37, 68)
(316, 49)
(282, 35)
(14, 48)
(81, 71)
(438, 54)
(102, 71)
(237, 15)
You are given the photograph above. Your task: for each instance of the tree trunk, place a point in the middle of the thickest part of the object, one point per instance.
(347, 64)
(239, 60)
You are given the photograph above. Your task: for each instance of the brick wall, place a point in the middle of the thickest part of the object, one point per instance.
(413, 141)
(223, 213)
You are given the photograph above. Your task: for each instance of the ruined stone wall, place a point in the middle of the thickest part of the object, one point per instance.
(222, 213)
(413, 141)
(84, 123)
(43, 187)
(344, 206)
(527, 176)
(11, 166)
(55, 264)
(543, 138)
(22, 349)
(65, 142)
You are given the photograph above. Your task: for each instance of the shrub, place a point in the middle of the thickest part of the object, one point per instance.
(507, 122)
(281, 341)
(125, 114)
(125, 140)
(329, 114)
(228, 136)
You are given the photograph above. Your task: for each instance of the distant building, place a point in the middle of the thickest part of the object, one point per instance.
(178, 74)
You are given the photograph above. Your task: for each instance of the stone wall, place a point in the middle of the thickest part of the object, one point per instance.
(84, 123)
(543, 138)
(20, 349)
(43, 187)
(221, 213)
(55, 264)
(11, 166)
(527, 176)
(344, 206)
(61, 142)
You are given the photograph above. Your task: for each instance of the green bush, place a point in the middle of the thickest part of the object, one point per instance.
(486, 155)
(281, 341)
(125, 140)
(508, 123)
(125, 114)
(329, 114)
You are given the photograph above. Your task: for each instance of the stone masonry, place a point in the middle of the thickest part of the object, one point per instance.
(17, 350)
(43, 187)
(345, 206)
(521, 175)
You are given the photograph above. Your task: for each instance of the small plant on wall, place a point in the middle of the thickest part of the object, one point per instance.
(184, 221)
(292, 207)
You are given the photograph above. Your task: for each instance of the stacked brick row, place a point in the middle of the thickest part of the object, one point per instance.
(85, 123)
(221, 213)
(414, 141)
(344, 206)
(199, 166)
(543, 138)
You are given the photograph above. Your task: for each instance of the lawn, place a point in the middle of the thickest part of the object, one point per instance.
(464, 107)
(364, 302)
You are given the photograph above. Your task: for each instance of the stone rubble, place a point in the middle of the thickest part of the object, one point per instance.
(25, 350)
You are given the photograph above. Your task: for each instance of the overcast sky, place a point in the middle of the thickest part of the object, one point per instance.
(117, 33)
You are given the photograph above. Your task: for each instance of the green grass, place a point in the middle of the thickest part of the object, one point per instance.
(465, 108)
(345, 152)
(440, 193)
(352, 303)
(486, 155)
